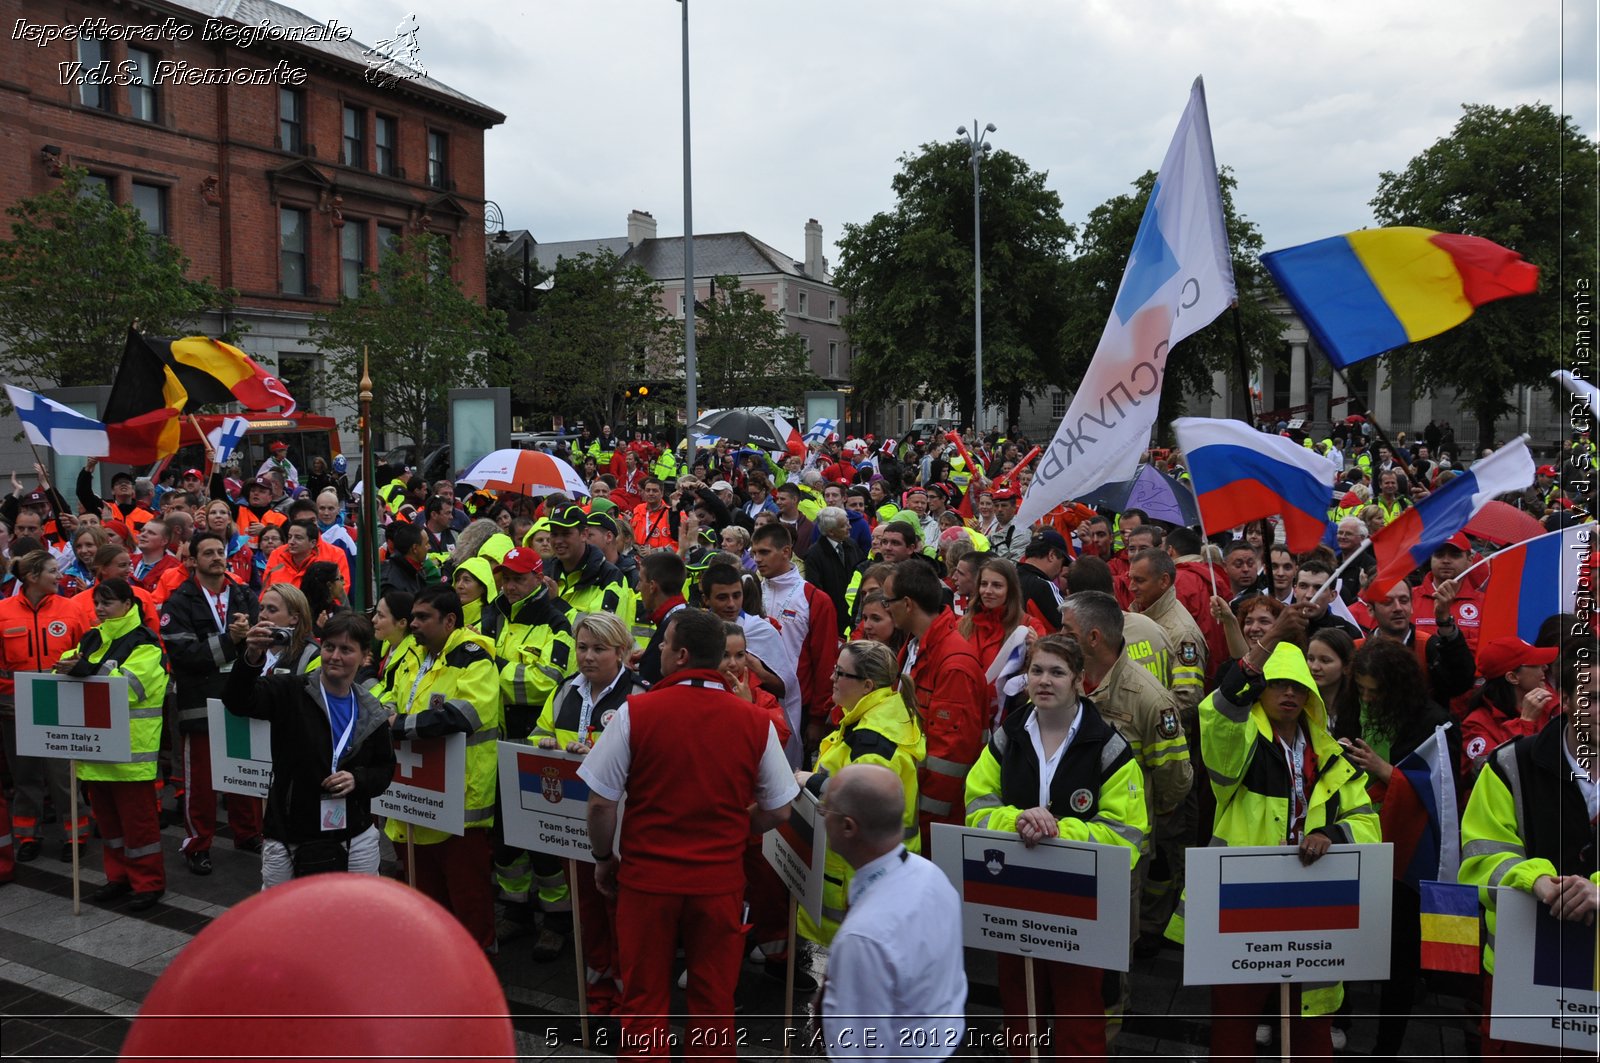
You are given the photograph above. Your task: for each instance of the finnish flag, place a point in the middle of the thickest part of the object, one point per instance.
(225, 438)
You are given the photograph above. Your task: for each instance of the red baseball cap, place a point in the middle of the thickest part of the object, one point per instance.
(192, 472)
(523, 560)
(1508, 653)
(1460, 541)
(280, 445)
(1007, 494)
(1546, 470)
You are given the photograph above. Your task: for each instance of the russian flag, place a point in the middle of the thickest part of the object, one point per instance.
(548, 781)
(1534, 580)
(1254, 896)
(1419, 813)
(1240, 475)
(1413, 537)
(1049, 880)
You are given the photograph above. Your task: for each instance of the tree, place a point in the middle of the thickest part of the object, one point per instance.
(1096, 272)
(598, 332)
(77, 271)
(422, 333)
(908, 275)
(1523, 177)
(744, 353)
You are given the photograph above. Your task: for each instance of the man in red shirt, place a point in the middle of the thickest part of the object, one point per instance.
(1448, 562)
(154, 558)
(701, 772)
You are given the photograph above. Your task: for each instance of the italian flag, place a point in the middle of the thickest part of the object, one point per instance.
(58, 703)
(246, 739)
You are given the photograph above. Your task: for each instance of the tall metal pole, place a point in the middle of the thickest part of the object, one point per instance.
(369, 493)
(977, 142)
(690, 371)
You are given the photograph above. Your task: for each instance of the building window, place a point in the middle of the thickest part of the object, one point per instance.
(292, 120)
(91, 57)
(355, 137)
(833, 309)
(1058, 404)
(151, 203)
(383, 137)
(833, 358)
(96, 184)
(802, 304)
(352, 257)
(292, 256)
(438, 152)
(683, 306)
(142, 85)
(388, 240)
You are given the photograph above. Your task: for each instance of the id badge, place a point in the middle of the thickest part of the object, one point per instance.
(334, 813)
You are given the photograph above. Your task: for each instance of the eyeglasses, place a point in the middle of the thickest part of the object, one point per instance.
(840, 673)
(896, 598)
(824, 810)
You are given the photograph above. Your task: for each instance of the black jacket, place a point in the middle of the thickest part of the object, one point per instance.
(829, 569)
(197, 650)
(1042, 593)
(1097, 753)
(302, 750)
(399, 575)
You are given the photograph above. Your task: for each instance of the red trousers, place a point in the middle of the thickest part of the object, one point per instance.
(599, 917)
(1236, 1009)
(1067, 999)
(129, 815)
(200, 801)
(458, 873)
(769, 904)
(649, 929)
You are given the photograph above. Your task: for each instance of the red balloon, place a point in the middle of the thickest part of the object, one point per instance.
(327, 967)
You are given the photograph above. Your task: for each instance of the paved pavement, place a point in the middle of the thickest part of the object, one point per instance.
(70, 985)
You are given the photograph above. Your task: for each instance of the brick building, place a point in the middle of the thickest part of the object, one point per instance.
(269, 147)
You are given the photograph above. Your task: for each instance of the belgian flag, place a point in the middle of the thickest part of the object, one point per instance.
(141, 416)
(209, 371)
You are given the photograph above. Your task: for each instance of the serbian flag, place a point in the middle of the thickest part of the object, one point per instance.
(1536, 579)
(1450, 927)
(1254, 895)
(1371, 291)
(1240, 475)
(1049, 880)
(1419, 813)
(1414, 535)
(544, 781)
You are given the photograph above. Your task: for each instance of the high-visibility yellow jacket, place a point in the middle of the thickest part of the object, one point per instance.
(536, 654)
(124, 646)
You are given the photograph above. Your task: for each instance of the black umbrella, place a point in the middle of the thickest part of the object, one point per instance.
(742, 426)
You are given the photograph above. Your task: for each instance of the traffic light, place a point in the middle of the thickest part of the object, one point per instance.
(643, 391)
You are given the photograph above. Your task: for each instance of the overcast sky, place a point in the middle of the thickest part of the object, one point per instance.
(802, 109)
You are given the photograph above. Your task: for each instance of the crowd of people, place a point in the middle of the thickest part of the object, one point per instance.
(864, 619)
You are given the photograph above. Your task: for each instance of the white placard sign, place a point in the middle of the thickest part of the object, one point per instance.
(73, 719)
(543, 804)
(1060, 900)
(430, 784)
(797, 852)
(241, 751)
(1544, 976)
(1256, 914)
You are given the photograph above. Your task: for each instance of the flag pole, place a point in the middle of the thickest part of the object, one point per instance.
(72, 828)
(577, 954)
(1377, 428)
(1248, 414)
(1346, 562)
(788, 981)
(411, 859)
(1033, 1018)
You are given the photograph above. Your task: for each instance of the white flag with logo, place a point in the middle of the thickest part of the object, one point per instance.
(1179, 278)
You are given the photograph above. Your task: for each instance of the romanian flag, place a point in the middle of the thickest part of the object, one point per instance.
(1536, 579)
(1240, 475)
(1371, 291)
(1049, 880)
(1254, 895)
(1449, 927)
(1566, 954)
(1411, 539)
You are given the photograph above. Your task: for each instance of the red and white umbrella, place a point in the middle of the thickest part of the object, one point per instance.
(526, 472)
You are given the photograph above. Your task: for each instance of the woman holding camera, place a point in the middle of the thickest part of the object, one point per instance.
(331, 751)
(287, 625)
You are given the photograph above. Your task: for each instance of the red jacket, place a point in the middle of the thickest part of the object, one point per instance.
(951, 695)
(152, 576)
(695, 756)
(1468, 608)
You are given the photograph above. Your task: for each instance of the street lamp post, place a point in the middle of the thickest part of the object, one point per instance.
(978, 146)
(690, 371)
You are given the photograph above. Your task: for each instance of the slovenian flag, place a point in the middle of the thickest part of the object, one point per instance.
(1566, 954)
(1255, 896)
(246, 739)
(544, 781)
(420, 763)
(1419, 813)
(1240, 475)
(1371, 291)
(64, 703)
(1450, 927)
(1048, 879)
(1536, 579)
(1410, 540)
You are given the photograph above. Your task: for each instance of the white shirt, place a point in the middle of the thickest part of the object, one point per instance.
(605, 768)
(1048, 765)
(588, 697)
(887, 974)
(1590, 788)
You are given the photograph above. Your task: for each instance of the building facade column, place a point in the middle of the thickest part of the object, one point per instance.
(1382, 396)
(1222, 392)
(1298, 395)
(1338, 404)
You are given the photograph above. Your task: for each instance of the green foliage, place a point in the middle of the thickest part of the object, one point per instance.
(744, 353)
(1525, 178)
(76, 272)
(593, 335)
(1102, 257)
(908, 273)
(422, 333)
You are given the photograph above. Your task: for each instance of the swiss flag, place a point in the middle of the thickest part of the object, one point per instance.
(419, 762)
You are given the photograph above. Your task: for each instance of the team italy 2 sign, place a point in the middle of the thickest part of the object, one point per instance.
(67, 718)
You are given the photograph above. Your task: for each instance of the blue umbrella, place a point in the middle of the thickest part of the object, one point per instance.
(1162, 496)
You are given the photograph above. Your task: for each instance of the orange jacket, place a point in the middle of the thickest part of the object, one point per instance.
(653, 531)
(952, 697)
(33, 637)
(282, 569)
